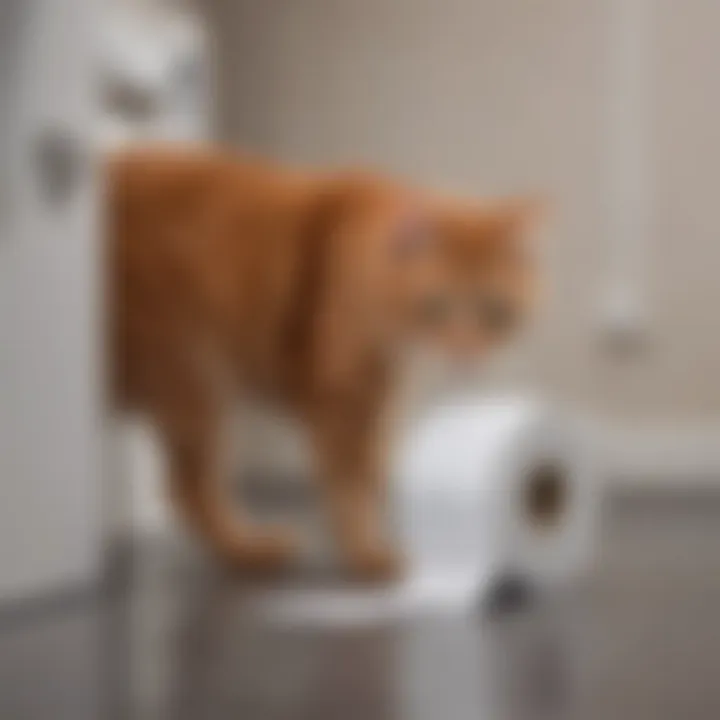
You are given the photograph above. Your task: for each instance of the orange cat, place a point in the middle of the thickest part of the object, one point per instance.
(231, 276)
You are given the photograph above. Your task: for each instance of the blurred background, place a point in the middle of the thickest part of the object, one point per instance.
(610, 107)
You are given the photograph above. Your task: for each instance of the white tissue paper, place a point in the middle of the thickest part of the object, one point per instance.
(483, 489)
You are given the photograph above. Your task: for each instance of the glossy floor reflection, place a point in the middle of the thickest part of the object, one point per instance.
(179, 642)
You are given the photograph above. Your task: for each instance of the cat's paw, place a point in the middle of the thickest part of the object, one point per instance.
(377, 565)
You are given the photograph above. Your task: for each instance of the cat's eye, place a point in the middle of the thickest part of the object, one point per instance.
(434, 309)
(497, 314)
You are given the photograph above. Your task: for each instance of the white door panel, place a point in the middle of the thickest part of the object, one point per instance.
(50, 435)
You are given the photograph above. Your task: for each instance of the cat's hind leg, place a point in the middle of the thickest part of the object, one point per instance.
(193, 425)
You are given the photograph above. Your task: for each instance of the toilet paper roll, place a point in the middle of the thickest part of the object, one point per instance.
(497, 488)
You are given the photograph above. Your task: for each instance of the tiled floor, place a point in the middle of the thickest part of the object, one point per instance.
(642, 643)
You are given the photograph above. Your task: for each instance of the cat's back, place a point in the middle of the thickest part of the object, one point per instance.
(192, 202)
(154, 184)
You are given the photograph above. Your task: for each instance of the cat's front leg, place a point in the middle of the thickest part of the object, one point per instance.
(348, 433)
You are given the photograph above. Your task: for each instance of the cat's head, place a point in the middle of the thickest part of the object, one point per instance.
(446, 278)
(465, 275)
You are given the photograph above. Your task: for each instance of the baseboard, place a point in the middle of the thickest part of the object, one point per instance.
(662, 454)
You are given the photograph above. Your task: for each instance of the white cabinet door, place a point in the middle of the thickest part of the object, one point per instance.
(50, 314)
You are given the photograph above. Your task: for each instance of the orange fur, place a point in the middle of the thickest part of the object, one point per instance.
(231, 275)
